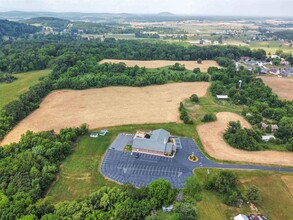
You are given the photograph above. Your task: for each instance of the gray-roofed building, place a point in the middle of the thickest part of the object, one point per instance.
(158, 142)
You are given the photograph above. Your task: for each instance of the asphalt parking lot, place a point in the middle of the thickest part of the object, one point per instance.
(124, 167)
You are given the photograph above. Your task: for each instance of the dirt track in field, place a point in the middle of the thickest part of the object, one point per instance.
(190, 65)
(283, 87)
(109, 106)
(211, 135)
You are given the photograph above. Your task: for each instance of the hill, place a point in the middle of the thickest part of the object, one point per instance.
(14, 29)
(57, 24)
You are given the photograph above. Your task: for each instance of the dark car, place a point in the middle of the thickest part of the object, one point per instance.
(136, 156)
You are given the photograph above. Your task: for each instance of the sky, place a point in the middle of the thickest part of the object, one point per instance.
(190, 7)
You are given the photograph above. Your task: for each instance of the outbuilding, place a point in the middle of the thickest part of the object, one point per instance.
(222, 97)
(268, 137)
(103, 132)
(94, 135)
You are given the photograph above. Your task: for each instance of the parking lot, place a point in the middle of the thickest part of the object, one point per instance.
(123, 167)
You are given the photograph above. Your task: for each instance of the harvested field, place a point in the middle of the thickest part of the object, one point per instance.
(288, 180)
(190, 65)
(109, 106)
(211, 135)
(283, 87)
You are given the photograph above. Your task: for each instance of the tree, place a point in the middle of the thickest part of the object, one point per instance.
(192, 186)
(196, 70)
(162, 191)
(194, 98)
(199, 61)
(209, 117)
(185, 211)
(252, 194)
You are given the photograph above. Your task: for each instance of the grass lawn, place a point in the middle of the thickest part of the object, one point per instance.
(276, 202)
(80, 174)
(11, 91)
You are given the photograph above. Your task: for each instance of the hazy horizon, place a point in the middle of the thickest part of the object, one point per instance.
(260, 8)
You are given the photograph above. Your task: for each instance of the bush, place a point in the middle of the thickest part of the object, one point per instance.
(209, 117)
(196, 70)
(194, 98)
(252, 194)
(184, 115)
(185, 211)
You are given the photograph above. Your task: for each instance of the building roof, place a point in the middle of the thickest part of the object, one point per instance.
(222, 96)
(158, 141)
(241, 217)
(267, 137)
(103, 132)
(94, 134)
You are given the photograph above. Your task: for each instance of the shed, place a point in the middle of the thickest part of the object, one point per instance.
(167, 209)
(103, 132)
(222, 97)
(268, 137)
(94, 135)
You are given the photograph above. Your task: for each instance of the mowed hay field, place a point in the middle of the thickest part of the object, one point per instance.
(283, 87)
(190, 65)
(109, 106)
(211, 135)
(11, 91)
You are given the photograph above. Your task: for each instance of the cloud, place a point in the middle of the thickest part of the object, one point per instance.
(196, 7)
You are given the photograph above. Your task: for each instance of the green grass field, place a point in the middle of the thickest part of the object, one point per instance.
(11, 91)
(276, 199)
(270, 46)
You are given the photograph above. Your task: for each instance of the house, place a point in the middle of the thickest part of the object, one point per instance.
(287, 72)
(103, 132)
(167, 209)
(263, 70)
(222, 97)
(274, 71)
(241, 217)
(157, 142)
(274, 56)
(263, 125)
(245, 58)
(275, 127)
(94, 135)
(267, 137)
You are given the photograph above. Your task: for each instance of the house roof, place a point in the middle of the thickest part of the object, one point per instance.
(157, 141)
(241, 217)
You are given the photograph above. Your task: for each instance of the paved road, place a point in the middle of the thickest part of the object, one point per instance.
(204, 162)
(124, 167)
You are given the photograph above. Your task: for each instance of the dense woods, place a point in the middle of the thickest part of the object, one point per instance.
(14, 29)
(42, 52)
